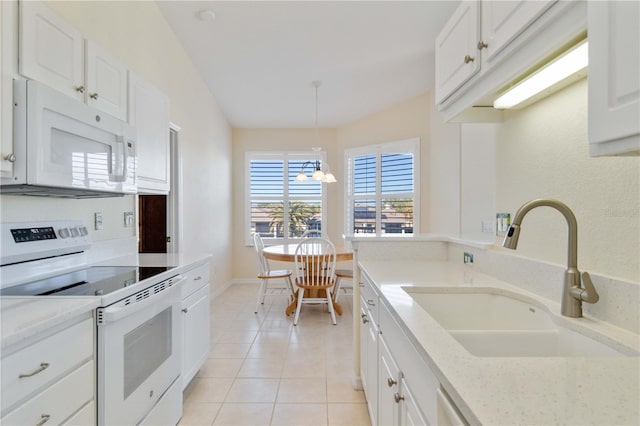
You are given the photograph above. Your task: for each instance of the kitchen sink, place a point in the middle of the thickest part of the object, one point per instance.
(489, 324)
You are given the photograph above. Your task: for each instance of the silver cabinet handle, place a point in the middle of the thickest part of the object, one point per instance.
(80, 89)
(391, 382)
(43, 366)
(185, 310)
(482, 45)
(198, 278)
(371, 302)
(93, 96)
(10, 157)
(43, 419)
(397, 397)
(364, 318)
(468, 58)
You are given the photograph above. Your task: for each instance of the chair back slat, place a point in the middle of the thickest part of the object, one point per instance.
(315, 261)
(263, 263)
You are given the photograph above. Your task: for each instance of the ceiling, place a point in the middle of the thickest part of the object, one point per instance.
(260, 58)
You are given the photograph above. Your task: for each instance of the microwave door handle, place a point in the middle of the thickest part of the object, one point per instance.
(120, 162)
(112, 314)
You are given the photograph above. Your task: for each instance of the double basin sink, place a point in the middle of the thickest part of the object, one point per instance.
(492, 323)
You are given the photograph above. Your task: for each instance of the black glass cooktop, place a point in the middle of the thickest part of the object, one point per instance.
(94, 281)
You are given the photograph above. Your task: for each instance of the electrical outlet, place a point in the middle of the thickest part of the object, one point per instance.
(487, 226)
(468, 257)
(128, 219)
(503, 220)
(97, 221)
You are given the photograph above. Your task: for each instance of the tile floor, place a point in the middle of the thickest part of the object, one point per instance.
(264, 371)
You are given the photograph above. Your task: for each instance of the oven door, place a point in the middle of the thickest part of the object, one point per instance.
(139, 342)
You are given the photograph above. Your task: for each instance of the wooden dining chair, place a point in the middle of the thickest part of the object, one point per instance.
(315, 262)
(265, 274)
(343, 274)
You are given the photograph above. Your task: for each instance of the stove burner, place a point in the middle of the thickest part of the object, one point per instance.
(93, 281)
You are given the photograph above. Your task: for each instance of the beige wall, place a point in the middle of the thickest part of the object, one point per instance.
(542, 151)
(137, 34)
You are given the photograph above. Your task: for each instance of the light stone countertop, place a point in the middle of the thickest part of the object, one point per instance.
(22, 318)
(515, 390)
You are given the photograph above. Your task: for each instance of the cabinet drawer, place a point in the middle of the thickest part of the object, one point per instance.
(86, 416)
(369, 298)
(195, 278)
(44, 361)
(58, 402)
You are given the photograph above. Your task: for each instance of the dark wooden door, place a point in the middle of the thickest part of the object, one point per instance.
(152, 224)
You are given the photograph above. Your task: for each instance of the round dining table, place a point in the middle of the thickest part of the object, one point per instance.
(286, 253)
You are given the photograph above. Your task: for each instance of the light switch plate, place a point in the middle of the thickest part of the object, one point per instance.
(128, 219)
(97, 221)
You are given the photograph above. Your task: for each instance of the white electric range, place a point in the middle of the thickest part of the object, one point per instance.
(138, 321)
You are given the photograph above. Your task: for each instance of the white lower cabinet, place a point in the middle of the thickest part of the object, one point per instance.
(196, 329)
(401, 389)
(51, 379)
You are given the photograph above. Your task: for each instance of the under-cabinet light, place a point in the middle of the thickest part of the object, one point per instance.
(567, 65)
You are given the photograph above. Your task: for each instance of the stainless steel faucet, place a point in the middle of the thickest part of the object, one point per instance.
(573, 294)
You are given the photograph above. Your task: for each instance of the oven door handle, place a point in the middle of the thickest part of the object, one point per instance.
(118, 311)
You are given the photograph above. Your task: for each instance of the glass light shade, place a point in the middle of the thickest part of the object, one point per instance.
(301, 177)
(563, 67)
(329, 178)
(318, 175)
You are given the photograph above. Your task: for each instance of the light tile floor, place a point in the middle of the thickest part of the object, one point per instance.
(264, 371)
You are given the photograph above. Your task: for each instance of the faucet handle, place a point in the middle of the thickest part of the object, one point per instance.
(588, 293)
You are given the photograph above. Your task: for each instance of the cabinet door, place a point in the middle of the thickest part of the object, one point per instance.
(410, 413)
(149, 114)
(7, 10)
(614, 85)
(51, 50)
(389, 377)
(456, 50)
(196, 333)
(503, 21)
(106, 82)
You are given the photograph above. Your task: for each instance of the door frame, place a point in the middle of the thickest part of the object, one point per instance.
(174, 199)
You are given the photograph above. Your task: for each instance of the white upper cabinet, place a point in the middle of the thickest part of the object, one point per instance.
(487, 45)
(456, 52)
(149, 114)
(614, 77)
(106, 87)
(502, 21)
(7, 65)
(53, 52)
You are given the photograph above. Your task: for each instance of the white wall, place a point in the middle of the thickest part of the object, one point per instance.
(137, 34)
(542, 151)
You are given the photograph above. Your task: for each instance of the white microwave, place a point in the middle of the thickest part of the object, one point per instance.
(64, 148)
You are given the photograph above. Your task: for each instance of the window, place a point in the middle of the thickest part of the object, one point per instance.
(279, 207)
(382, 195)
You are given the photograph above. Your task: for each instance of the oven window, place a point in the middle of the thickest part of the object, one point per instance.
(145, 349)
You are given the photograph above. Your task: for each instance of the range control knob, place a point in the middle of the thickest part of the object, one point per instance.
(64, 232)
(83, 231)
(75, 232)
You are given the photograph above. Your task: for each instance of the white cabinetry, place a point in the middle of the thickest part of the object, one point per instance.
(51, 379)
(503, 21)
(196, 331)
(486, 45)
(149, 114)
(369, 347)
(55, 53)
(456, 49)
(614, 77)
(8, 15)
(400, 387)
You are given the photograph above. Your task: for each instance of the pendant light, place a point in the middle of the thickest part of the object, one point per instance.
(318, 174)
